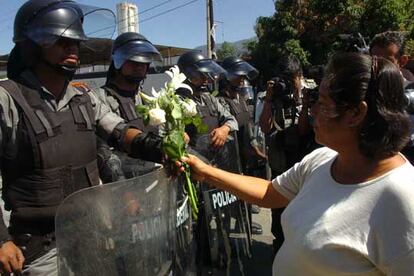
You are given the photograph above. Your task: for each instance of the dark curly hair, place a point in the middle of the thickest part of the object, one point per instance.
(357, 77)
(387, 38)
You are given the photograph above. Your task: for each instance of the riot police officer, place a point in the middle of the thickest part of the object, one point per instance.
(132, 55)
(237, 92)
(48, 142)
(201, 74)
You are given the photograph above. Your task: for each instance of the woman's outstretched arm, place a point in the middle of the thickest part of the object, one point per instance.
(250, 189)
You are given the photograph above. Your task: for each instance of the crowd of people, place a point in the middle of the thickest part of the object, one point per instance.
(339, 150)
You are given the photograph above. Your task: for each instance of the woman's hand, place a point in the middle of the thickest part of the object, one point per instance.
(199, 169)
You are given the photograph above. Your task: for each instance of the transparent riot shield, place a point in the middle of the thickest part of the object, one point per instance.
(185, 244)
(225, 221)
(122, 228)
(117, 166)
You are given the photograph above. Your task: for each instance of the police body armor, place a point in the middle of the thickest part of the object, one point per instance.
(120, 228)
(126, 108)
(115, 165)
(240, 110)
(244, 115)
(50, 164)
(208, 112)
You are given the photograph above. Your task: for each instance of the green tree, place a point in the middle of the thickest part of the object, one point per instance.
(226, 50)
(311, 29)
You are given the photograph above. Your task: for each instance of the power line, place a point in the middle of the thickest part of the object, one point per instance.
(167, 11)
(154, 7)
(149, 18)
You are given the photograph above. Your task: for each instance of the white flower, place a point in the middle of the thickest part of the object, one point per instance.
(177, 79)
(155, 95)
(189, 108)
(146, 98)
(156, 116)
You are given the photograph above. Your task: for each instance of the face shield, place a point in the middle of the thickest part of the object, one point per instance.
(138, 51)
(241, 85)
(210, 69)
(242, 69)
(72, 21)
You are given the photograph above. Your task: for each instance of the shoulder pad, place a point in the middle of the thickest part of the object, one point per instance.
(81, 86)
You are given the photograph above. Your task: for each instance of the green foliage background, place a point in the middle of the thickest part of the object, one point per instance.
(309, 29)
(226, 50)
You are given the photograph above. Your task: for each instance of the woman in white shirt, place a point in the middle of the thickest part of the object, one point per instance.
(350, 205)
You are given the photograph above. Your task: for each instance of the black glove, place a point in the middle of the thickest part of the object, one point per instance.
(147, 146)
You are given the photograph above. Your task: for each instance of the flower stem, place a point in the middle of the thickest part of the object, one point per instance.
(190, 190)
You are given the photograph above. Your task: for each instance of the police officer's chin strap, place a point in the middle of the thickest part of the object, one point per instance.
(68, 71)
(197, 90)
(134, 80)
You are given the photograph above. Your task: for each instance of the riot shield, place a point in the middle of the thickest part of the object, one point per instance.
(116, 165)
(122, 228)
(185, 245)
(225, 221)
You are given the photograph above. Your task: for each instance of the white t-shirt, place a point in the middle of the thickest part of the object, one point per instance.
(335, 229)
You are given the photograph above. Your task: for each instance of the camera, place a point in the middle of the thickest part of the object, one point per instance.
(283, 90)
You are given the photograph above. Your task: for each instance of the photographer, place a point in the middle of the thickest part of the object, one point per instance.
(284, 121)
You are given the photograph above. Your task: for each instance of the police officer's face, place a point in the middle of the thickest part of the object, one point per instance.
(199, 80)
(65, 52)
(238, 81)
(135, 69)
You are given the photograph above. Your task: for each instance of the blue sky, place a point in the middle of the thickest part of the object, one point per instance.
(183, 27)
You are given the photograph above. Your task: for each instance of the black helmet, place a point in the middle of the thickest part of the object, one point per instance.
(239, 74)
(42, 22)
(193, 64)
(236, 67)
(134, 47)
(45, 21)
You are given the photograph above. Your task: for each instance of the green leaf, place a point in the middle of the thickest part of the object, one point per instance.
(215, 93)
(202, 128)
(174, 144)
(197, 121)
(142, 109)
(176, 112)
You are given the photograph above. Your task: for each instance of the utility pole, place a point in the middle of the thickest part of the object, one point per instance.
(210, 26)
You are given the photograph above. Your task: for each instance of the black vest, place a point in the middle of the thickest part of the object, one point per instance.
(239, 110)
(206, 108)
(127, 111)
(56, 156)
(208, 111)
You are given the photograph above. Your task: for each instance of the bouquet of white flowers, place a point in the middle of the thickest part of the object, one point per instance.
(173, 113)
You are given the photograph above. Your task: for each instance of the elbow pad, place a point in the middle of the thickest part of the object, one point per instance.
(147, 146)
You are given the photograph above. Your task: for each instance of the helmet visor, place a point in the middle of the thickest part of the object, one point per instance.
(70, 20)
(242, 69)
(210, 69)
(139, 51)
